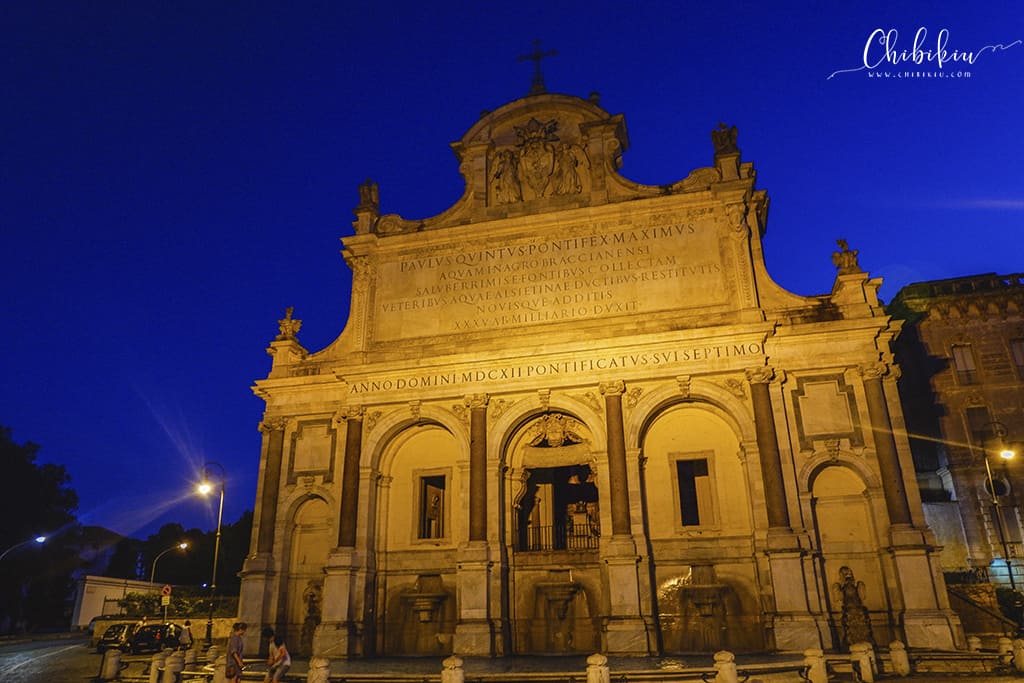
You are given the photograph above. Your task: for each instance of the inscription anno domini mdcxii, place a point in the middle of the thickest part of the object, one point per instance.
(627, 271)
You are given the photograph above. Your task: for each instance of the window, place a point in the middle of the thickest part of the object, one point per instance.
(979, 424)
(963, 363)
(1017, 353)
(694, 492)
(432, 506)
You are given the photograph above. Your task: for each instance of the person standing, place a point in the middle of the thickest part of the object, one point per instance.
(185, 637)
(233, 671)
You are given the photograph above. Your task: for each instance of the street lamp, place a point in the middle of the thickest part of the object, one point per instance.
(205, 488)
(999, 433)
(152, 572)
(38, 539)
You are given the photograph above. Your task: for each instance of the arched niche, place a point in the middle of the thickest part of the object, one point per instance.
(694, 478)
(309, 542)
(425, 501)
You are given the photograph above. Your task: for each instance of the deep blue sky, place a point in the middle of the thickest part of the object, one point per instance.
(175, 174)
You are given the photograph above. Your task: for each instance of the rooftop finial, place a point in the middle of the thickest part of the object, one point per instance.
(537, 85)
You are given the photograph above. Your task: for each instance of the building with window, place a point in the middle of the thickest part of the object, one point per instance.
(962, 357)
(573, 413)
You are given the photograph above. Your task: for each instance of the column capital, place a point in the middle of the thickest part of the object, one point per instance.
(273, 424)
(873, 370)
(474, 401)
(349, 412)
(760, 375)
(616, 388)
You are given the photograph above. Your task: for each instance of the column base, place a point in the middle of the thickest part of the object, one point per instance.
(474, 638)
(796, 633)
(935, 629)
(334, 641)
(627, 637)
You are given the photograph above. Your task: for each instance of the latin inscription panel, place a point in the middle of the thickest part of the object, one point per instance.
(631, 270)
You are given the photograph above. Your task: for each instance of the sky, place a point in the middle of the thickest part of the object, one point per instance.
(174, 175)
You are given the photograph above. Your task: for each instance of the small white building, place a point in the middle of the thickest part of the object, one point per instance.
(93, 592)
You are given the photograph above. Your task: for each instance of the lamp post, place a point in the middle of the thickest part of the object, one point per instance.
(205, 488)
(38, 539)
(152, 572)
(999, 433)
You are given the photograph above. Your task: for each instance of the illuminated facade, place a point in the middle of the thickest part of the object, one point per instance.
(573, 413)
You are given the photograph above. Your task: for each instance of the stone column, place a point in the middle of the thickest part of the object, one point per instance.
(885, 446)
(625, 631)
(259, 582)
(926, 618)
(768, 449)
(336, 633)
(474, 634)
(618, 477)
(353, 417)
(274, 431)
(477, 405)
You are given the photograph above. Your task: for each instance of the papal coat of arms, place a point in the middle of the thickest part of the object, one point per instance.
(539, 165)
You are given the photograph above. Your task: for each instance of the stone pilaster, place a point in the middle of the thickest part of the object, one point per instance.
(794, 627)
(926, 619)
(474, 634)
(256, 596)
(336, 635)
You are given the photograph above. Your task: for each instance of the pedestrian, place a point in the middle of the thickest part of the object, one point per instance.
(185, 637)
(233, 671)
(280, 660)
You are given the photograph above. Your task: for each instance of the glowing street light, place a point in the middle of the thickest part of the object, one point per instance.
(38, 540)
(152, 572)
(205, 488)
(1006, 453)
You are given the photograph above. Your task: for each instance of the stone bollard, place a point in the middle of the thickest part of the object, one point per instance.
(173, 665)
(155, 665)
(725, 665)
(110, 667)
(320, 670)
(1018, 654)
(973, 644)
(191, 658)
(860, 658)
(898, 657)
(1005, 650)
(597, 669)
(814, 660)
(212, 653)
(452, 671)
(220, 665)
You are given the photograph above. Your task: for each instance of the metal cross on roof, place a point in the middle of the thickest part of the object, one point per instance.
(537, 85)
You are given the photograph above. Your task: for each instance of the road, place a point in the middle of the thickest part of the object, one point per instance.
(48, 661)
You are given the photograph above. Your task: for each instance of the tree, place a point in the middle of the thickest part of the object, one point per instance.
(35, 581)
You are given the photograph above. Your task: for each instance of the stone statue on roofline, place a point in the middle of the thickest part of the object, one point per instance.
(288, 326)
(845, 260)
(369, 195)
(724, 139)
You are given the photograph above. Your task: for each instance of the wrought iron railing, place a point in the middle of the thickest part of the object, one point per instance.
(558, 537)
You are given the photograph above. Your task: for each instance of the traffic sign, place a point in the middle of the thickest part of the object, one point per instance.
(165, 591)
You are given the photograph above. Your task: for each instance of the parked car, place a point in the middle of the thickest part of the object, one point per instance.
(155, 637)
(116, 636)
